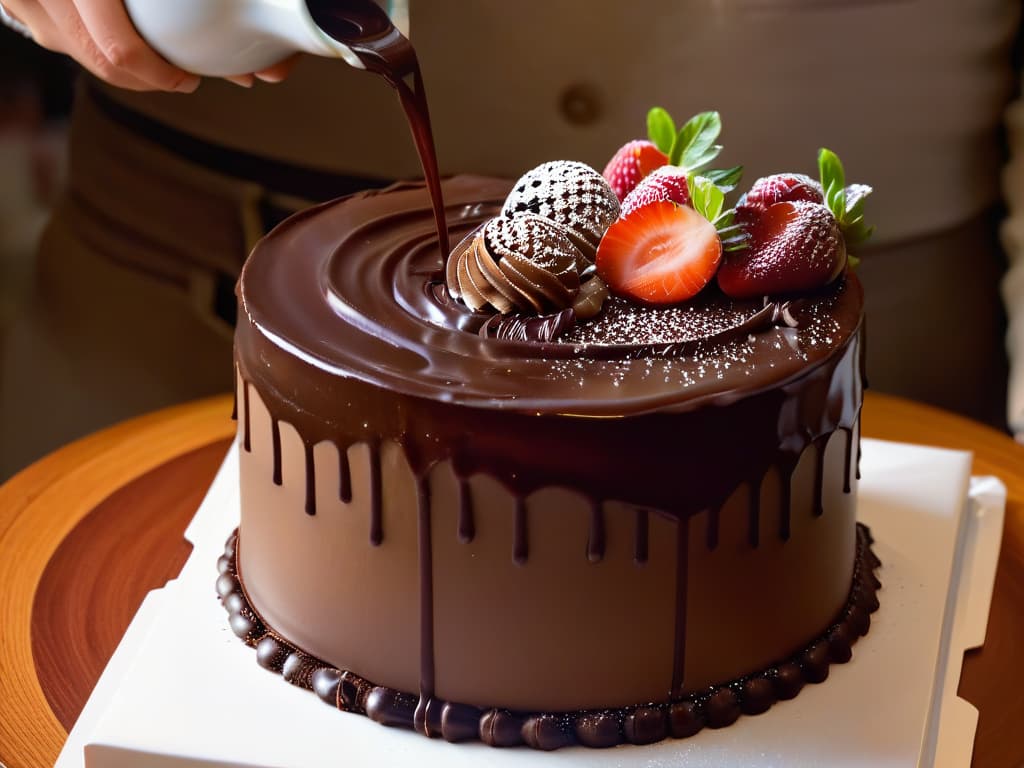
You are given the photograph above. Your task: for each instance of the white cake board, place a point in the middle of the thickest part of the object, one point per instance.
(182, 690)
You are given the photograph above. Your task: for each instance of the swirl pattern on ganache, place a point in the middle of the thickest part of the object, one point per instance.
(361, 293)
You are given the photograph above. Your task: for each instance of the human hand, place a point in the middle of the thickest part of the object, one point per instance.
(99, 35)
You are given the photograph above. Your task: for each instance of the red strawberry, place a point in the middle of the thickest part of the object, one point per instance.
(794, 247)
(665, 183)
(778, 188)
(662, 253)
(631, 164)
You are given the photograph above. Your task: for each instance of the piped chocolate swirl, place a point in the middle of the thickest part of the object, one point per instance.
(526, 263)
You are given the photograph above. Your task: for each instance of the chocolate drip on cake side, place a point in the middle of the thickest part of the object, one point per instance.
(344, 475)
(376, 496)
(786, 466)
(275, 447)
(754, 511)
(849, 457)
(521, 532)
(426, 577)
(819, 474)
(246, 423)
(310, 467)
(682, 586)
(467, 521)
(641, 545)
(596, 539)
(712, 531)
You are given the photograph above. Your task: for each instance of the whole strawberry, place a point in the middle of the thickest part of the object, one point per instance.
(691, 147)
(631, 164)
(778, 188)
(794, 247)
(798, 231)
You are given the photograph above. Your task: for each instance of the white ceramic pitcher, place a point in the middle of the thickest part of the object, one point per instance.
(236, 37)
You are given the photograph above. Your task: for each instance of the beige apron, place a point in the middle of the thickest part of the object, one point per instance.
(134, 287)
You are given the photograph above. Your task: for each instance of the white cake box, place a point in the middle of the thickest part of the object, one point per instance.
(182, 690)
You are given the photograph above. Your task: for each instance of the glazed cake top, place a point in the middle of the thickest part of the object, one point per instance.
(355, 288)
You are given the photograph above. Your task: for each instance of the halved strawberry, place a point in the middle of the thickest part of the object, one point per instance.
(631, 164)
(665, 183)
(794, 247)
(778, 188)
(661, 253)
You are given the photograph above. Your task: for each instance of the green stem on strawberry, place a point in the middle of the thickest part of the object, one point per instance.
(692, 147)
(708, 200)
(661, 129)
(845, 202)
(725, 179)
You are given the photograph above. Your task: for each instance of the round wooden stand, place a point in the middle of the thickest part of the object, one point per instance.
(88, 530)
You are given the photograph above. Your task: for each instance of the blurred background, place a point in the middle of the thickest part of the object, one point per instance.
(126, 303)
(35, 103)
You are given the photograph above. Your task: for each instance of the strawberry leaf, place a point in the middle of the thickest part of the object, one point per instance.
(845, 202)
(833, 182)
(725, 179)
(661, 129)
(701, 131)
(856, 232)
(854, 203)
(835, 199)
(708, 200)
(698, 161)
(694, 146)
(830, 170)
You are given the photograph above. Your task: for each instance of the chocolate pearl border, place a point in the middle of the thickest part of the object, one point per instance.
(716, 707)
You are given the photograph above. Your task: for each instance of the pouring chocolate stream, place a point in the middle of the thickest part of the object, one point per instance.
(368, 31)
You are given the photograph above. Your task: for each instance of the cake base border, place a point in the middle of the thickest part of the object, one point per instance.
(646, 723)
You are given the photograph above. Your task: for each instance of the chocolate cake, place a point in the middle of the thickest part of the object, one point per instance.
(535, 529)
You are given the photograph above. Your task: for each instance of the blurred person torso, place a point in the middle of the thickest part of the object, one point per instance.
(909, 93)
(134, 283)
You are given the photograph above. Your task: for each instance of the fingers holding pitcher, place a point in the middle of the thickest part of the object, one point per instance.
(99, 35)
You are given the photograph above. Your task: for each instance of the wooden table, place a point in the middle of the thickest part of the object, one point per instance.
(88, 530)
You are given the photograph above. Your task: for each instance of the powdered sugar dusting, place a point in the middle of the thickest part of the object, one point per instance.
(533, 237)
(625, 322)
(708, 361)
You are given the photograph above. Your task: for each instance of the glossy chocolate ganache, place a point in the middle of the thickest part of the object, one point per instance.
(649, 515)
(347, 328)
